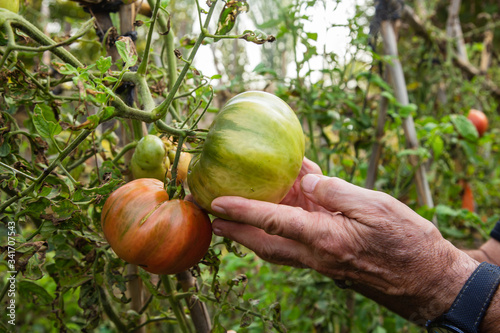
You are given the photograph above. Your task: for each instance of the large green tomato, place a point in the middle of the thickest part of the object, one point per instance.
(254, 149)
(12, 5)
(150, 159)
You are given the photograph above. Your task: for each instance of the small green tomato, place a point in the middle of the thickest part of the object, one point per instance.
(150, 159)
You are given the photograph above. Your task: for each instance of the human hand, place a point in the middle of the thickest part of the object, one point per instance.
(350, 233)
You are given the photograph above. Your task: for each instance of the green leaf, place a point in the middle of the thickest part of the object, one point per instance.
(407, 110)
(33, 293)
(246, 320)
(110, 79)
(103, 64)
(375, 79)
(464, 127)
(93, 120)
(5, 149)
(228, 15)
(107, 113)
(67, 273)
(437, 145)
(121, 47)
(89, 302)
(379, 329)
(36, 207)
(64, 209)
(312, 35)
(67, 69)
(45, 121)
(263, 69)
(446, 210)
(452, 232)
(104, 189)
(420, 151)
(125, 51)
(45, 191)
(390, 97)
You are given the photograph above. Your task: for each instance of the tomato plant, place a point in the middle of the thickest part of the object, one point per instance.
(145, 228)
(254, 148)
(479, 119)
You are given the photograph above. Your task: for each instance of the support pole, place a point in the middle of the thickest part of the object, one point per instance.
(399, 85)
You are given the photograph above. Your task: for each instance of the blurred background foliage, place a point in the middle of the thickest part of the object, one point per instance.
(337, 96)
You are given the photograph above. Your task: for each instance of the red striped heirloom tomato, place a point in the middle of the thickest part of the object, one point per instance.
(144, 228)
(254, 148)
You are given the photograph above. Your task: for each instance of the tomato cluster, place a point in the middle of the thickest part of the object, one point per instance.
(153, 158)
(254, 148)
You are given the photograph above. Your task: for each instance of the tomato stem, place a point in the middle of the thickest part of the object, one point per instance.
(143, 67)
(176, 306)
(160, 111)
(172, 185)
(110, 312)
(205, 109)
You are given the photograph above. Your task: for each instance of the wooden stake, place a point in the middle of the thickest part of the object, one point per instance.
(399, 85)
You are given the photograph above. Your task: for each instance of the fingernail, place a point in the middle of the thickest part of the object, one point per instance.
(218, 209)
(216, 228)
(216, 231)
(309, 182)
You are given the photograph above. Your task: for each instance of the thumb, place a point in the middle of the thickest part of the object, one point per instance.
(337, 195)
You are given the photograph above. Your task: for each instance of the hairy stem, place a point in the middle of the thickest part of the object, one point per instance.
(17, 21)
(110, 312)
(176, 306)
(160, 111)
(143, 67)
(17, 171)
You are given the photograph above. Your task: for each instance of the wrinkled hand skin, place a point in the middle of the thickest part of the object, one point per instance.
(389, 253)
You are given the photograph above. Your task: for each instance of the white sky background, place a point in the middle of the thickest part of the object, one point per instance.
(336, 40)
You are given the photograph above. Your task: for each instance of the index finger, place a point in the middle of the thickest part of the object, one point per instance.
(275, 219)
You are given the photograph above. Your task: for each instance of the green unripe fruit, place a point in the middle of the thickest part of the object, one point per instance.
(150, 159)
(12, 5)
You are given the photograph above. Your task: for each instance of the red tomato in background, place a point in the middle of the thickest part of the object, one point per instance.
(479, 119)
(468, 198)
(144, 228)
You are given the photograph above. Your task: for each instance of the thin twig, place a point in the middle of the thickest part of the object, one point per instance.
(17, 171)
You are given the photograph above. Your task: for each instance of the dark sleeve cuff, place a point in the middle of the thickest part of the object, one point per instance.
(495, 233)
